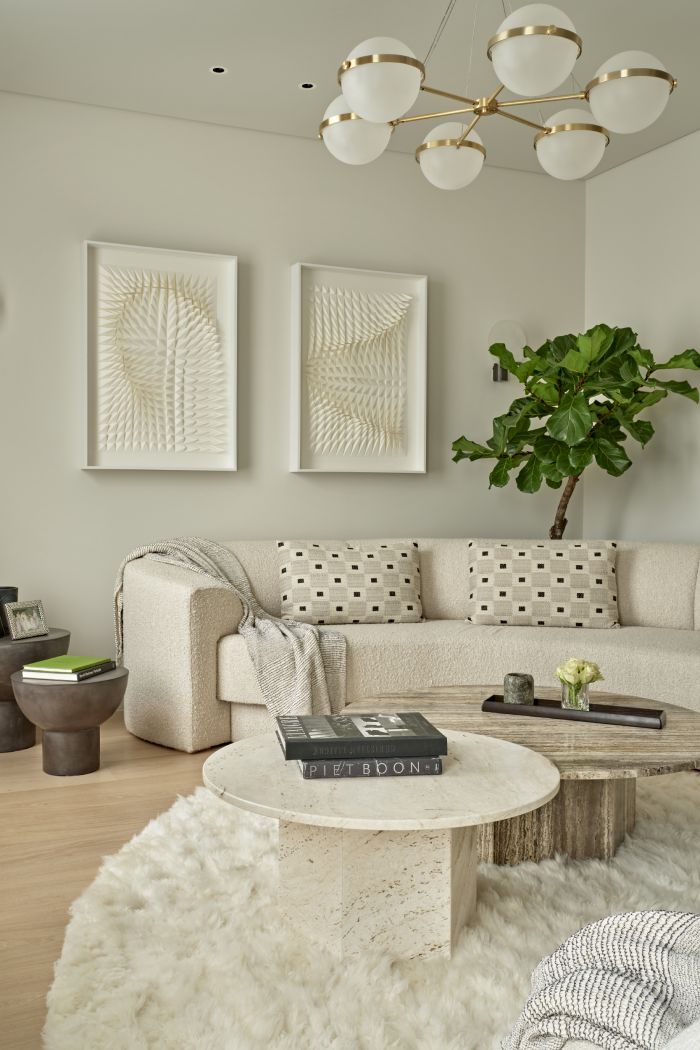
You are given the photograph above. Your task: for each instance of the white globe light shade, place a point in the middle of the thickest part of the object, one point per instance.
(537, 64)
(629, 104)
(381, 91)
(448, 167)
(571, 154)
(354, 141)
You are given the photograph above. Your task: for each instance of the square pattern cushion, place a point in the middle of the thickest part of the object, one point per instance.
(553, 584)
(349, 583)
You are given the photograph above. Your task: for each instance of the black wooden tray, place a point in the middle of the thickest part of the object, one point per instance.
(610, 714)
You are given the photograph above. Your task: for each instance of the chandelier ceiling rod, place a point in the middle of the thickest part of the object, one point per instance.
(534, 51)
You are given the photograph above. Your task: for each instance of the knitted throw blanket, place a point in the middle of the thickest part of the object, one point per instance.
(627, 982)
(300, 670)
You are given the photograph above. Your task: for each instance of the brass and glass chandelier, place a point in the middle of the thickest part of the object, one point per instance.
(533, 53)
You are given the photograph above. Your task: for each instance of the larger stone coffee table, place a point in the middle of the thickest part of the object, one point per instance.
(599, 766)
(384, 863)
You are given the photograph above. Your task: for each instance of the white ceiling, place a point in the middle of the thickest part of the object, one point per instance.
(153, 56)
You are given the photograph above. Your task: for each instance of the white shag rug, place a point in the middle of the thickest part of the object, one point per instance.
(177, 944)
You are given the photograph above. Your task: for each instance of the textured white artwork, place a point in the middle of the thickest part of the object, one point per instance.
(355, 370)
(358, 370)
(162, 373)
(161, 344)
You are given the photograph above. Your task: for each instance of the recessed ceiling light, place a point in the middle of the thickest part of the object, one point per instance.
(218, 69)
(307, 85)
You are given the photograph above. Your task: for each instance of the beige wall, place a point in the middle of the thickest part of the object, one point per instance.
(509, 247)
(642, 238)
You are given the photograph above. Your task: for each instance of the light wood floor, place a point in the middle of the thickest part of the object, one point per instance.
(53, 833)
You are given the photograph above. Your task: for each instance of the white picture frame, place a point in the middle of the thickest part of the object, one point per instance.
(159, 358)
(351, 413)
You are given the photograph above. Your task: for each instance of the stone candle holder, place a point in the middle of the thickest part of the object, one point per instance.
(518, 689)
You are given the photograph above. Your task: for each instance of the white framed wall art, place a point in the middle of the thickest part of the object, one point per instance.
(359, 361)
(160, 353)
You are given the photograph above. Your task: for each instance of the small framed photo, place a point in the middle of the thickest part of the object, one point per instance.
(25, 619)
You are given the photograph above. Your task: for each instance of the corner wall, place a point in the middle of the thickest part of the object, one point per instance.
(642, 270)
(511, 246)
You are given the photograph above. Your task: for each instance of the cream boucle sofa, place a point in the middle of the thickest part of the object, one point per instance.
(192, 684)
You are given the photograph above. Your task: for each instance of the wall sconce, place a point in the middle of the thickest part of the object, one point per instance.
(513, 335)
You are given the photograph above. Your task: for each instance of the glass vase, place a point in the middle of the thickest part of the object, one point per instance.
(575, 697)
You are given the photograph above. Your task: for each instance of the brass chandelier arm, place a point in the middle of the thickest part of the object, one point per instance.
(538, 101)
(447, 94)
(429, 116)
(472, 125)
(521, 120)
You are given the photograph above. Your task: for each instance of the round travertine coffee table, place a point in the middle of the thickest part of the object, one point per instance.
(387, 863)
(599, 766)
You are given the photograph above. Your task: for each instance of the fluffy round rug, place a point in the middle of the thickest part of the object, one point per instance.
(177, 944)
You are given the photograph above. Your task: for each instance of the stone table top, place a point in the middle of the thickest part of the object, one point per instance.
(580, 750)
(483, 781)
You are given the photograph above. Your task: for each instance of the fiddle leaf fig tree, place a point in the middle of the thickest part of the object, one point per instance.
(583, 397)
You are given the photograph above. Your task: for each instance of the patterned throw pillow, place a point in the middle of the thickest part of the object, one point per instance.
(349, 583)
(555, 584)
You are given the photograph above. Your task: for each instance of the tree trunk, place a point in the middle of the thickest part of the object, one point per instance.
(557, 530)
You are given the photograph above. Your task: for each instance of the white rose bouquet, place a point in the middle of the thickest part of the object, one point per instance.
(575, 677)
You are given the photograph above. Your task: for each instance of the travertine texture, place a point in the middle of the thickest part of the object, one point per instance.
(599, 766)
(396, 859)
(483, 780)
(408, 893)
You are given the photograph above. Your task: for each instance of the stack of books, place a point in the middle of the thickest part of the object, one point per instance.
(67, 668)
(371, 745)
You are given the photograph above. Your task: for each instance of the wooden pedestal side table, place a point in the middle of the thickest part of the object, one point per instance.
(71, 713)
(386, 863)
(16, 731)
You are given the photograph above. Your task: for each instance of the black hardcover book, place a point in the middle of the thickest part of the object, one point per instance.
(607, 714)
(406, 735)
(325, 769)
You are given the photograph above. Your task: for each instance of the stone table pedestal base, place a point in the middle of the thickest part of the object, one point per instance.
(405, 892)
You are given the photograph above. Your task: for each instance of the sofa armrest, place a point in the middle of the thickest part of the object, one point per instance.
(173, 620)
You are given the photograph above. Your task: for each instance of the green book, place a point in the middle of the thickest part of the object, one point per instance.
(67, 664)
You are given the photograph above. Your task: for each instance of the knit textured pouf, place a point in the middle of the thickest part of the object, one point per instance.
(177, 944)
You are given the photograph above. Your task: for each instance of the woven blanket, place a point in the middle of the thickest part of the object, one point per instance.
(300, 669)
(627, 982)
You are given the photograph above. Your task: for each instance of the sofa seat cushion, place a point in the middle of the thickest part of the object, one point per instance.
(657, 663)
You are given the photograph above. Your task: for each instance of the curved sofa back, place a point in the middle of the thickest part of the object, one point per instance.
(657, 582)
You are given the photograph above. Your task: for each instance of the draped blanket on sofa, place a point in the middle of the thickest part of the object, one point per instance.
(300, 670)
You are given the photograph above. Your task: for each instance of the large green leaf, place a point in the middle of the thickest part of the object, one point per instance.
(589, 346)
(530, 477)
(580, 456)
(547, 449)
(687, 359)
(629, 370)
(644, 358)
(677, 386)
(466, 449)
(640, 429)
(500, 474)
(611, 456)
(644, 399)
(572, 420)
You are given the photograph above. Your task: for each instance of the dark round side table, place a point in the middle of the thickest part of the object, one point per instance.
(16, 731)
(71, 713)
